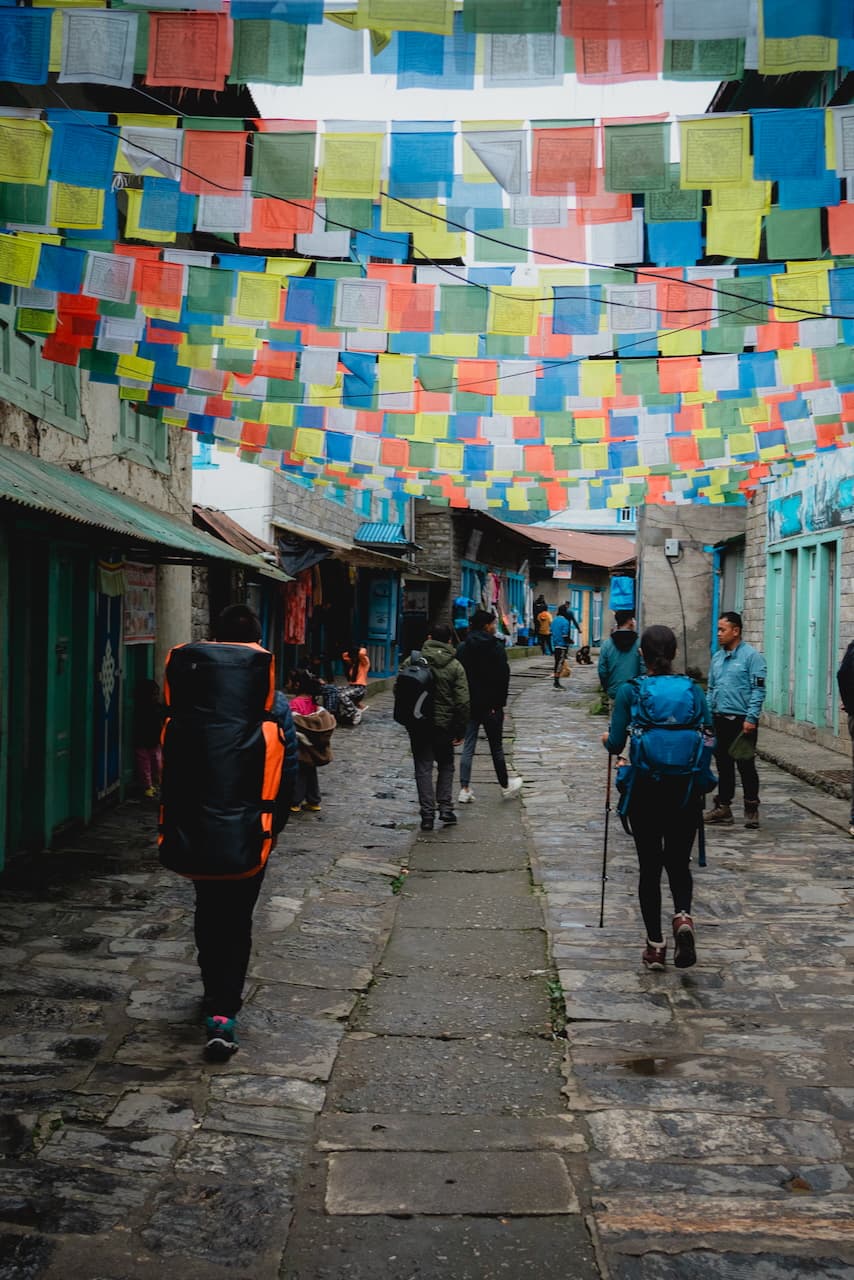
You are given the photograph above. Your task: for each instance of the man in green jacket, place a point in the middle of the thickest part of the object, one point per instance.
(434, 742)
(620, 657)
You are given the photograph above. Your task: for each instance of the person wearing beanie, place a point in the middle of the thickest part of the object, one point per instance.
(485, 661)
(620, 656)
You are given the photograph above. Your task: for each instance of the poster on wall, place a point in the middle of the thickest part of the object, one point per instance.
(140, 618)
(813, 499)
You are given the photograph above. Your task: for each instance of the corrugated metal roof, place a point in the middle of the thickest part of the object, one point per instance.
(602, 549)
(386, 535)
(222, 526)
(41, 486)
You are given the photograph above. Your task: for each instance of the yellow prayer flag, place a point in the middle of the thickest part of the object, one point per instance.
(449, 457)
(31, 320)
(805, 288)
(288, 266)
(78, 208)
(517, 498)
(514, 311)
(24, 151)
(454, 344)
(438, 242)
(259, 296)
(829, 141)
(755, 413)
(772, 452)
(190, 356)
(436, 16)
(135, 367)
(699, 397)
(733, 235)
(276, 414)
(350, 165)
(54, 60)
(309, 441)
(396, 373)
(594, 457)
(799, 53)
(715, 152)
(512, 406)
(232, 335)
(796, 365)
(688, 342)
(133, 229)
(316, 393)
(430, 426)
(598, 378)
(19, 260)
(411, 216)
(753, 195)
(588, 428)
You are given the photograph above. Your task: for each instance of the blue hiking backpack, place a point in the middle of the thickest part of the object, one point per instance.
(666, 738)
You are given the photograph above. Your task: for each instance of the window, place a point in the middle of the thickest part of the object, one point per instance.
(626, 515)
(50, 391)
(142, 436)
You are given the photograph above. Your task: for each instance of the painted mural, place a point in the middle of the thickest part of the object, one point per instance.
(813, 499)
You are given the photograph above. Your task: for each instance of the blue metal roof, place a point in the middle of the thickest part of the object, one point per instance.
(385, 535)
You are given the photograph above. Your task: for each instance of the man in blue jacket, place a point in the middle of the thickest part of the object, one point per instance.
(736, 694)
(620, 655)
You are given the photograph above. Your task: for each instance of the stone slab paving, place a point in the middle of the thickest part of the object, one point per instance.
(401, 1105)
(716, 1101)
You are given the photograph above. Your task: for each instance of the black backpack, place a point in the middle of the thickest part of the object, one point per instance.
(413, 693)
(845, 679)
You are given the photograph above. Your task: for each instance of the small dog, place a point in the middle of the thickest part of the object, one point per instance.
(582, 656)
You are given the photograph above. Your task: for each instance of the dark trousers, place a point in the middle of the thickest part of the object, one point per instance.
(493, 724)
(851, 731)
(428, 749)
(726, 732)
(545, 643)
(223, 927)
(560, 653)
(307, 787)
(664, 829)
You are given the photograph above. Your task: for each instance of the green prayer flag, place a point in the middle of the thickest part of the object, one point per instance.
(280, 437)
(723, 340)
(23, 202)
(510, 17)
(471, 402)
(637, 157)
(513, 246)
(735, 299)
(673, 204)
(703, 59)
(209, 291)
(793, 233)
(422, 455)
(283, 165)
(267, 52)
(463, 308)
(639, 377)
(234, 360)
(355, 214)
(498, 345)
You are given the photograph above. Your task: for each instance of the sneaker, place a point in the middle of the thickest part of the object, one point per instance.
(557, 686)
(150, 793)
(448, 817)
(466, 796)
(310, 808)
(514, 785)
(721, 814)
(685, 953)
(751, 816)
(654, 955)
(222, 1038)
(426, 824)
(296, 808)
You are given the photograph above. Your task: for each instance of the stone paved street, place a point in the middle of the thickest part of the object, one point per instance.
(401, 1105)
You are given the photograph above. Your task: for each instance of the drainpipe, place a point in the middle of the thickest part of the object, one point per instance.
(717, 561)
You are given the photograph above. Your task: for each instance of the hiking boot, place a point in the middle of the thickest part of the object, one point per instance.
(221, 1038)
(296, 808)
(751, 816)
(685, 953)
(721, 814)
(556, 685)
(466, 796)
(448, 817)
(654, 954)
(310, 807)
(514, 785)
(426, 824)
(150, 793)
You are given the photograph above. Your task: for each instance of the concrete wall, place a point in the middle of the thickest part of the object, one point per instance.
(691, 576)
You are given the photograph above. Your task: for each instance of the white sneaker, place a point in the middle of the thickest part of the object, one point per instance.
(514, 785)
(466, 796)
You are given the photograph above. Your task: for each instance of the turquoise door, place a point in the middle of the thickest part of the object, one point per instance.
(4, 690)
(60, 692)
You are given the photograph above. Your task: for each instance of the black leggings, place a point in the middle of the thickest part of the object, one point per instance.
(223, 928)
(664, 829)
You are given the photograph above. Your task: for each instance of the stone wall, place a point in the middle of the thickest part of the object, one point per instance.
(755, 569)
(308, 508)
(678, 592)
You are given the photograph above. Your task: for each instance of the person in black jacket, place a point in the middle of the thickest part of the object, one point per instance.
(485, 661)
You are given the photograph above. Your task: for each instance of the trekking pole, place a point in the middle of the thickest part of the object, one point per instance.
(605, 846)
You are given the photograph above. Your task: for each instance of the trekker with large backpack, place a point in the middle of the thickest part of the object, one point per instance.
(668, 723)
(431, 700)
(229, 759)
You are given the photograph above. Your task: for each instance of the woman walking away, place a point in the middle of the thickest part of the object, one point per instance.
(669, 724)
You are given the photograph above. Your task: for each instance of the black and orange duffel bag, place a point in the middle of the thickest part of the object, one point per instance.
(223, 753)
